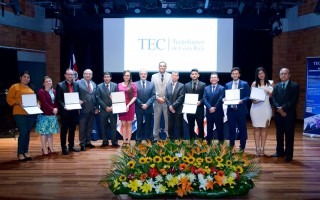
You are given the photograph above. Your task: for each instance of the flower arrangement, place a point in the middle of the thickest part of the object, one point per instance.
(181, 168)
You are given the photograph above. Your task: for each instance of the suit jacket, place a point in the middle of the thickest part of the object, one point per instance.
(89, 99)
(286, 99)
(160, 87)
(62, 88)
(145, 96)
(200, 91)
(214, 99)
(46, 103)
(176, 99)
(103, 96)
(244, 95)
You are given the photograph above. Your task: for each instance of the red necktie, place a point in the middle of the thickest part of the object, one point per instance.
(89, 87)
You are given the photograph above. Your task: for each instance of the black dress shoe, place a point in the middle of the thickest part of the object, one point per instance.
(115, 145)
(74, 149)
(83, 148)
(27, 157)
(65, 151)
(287, 159)
(21, 157)
(104, 144)
(276, 155)
(90, 145)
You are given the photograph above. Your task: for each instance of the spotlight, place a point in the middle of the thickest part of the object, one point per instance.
(229, 11)
(107, 10)
(137, 10)
(199, 11)
(168, 11)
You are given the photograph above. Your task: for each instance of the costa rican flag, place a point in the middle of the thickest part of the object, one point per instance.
(73, 65)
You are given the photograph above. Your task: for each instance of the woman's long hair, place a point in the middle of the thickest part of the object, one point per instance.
(257, 80)
(130, 90)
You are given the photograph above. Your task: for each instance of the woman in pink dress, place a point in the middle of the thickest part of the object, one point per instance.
(130, 90)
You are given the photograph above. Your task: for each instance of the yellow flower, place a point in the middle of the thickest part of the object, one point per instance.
(191, 160)
(157, 159)
(142, 160)
(185, 159)
(167, 159)
(199, 160)
(173, 182)
(239, 169)
(131, 164)
(133, 185)
(116, 183)
(146, 187)
(208, 160)
(230, 181)
(148, 159)
(218, 159)
(229, 163)
(178, 142)
(175, 159)
(162, 188)
(122, 178)
(152, 165)
(207, 169)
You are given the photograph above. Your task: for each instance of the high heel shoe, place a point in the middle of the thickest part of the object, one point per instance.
(261, 151)
(45, 154)
(21, 157)
(257, 151)
(50, 152)
(27, 156)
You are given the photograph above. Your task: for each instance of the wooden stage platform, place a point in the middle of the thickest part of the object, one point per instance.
(76, 176)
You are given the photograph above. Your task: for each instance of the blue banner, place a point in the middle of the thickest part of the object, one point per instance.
(312, 108)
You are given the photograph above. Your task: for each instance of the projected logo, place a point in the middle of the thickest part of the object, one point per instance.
(171, 44)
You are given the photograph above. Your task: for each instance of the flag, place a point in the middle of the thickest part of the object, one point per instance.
(73, 65)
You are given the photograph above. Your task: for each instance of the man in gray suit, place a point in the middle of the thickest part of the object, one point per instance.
(107, 118)
(160, 81)
(87, 90)
(144, 106)
(196, 87)
(174, 99)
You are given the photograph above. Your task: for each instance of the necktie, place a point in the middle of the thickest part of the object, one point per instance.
(107, 86)
(235, 85)
(214, 88)
(194, 87)
(89, 87)
(283, 86)
(143, 85)
(162, 78)
(172, 88)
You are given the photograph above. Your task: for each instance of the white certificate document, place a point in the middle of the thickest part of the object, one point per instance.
(190, 103)
(118, 102)
(257, 94)
(71, 101)
(232, 97)
(30, 105)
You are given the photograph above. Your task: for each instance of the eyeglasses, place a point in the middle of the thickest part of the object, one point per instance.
(69, 74)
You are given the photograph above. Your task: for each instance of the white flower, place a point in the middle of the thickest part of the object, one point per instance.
(191, 177)
(125, 184)
(159, 178)
(151, 182)
(203, 182)
(181, 176)
(169, 177)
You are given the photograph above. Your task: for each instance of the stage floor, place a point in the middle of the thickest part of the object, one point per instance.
(76, 176)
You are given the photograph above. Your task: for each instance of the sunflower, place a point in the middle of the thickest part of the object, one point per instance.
(142, 160)
(131, 164)
(122, 178)
(167, 159)
(157, 159)
(185, 159)
(229, 163)
(208, 160)
(148, 159)
(199, 160)
(191, 160)
(175, 159)
(239, 169)
(218, 159)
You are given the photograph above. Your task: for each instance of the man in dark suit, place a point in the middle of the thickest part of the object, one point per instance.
(284, 99)
(107, 118)
(174, 100)
(144, 106)
(212, 98)
(196, 87)
(69, 118)
(237, 114)
(87, 91)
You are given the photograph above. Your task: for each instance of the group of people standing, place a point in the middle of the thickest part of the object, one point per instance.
(149, 101)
